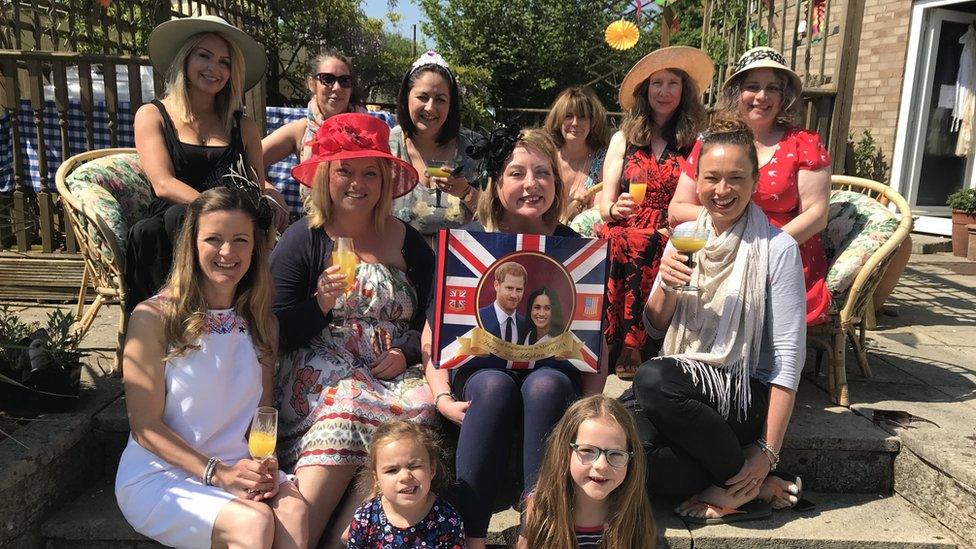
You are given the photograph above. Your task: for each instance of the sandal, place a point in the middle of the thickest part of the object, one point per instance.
(756, 509)
(626, 368)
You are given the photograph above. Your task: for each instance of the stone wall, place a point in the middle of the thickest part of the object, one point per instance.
(881, 71)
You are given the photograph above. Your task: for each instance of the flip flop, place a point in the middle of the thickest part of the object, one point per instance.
(801, 504)
(754, 510)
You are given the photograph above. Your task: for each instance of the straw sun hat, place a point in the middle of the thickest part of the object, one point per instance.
(762, 57)
(167, 39)
(691, 60)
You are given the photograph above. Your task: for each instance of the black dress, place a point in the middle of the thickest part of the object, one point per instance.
(150, 243)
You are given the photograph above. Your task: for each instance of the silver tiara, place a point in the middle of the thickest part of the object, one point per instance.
(430, 57)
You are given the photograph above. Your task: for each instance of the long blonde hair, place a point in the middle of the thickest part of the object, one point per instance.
(549, 516)
(184, 311)
(681, 129)
(318, 202)
(490, 209)
(227, 100)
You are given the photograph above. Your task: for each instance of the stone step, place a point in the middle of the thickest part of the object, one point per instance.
(839, 521)
(930, 244)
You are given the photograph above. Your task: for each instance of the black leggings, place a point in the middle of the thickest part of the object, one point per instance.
(149, 251)
(501, 402)
(689, 445)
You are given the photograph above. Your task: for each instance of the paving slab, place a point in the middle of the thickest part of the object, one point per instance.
(840, 521)
(93, 520)
(946, 499)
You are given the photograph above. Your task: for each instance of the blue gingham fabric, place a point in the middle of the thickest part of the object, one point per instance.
(279, 174)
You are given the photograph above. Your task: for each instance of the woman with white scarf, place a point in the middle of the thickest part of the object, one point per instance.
(714, 407)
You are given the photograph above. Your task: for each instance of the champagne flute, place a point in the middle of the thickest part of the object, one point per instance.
(344, 255)
(264, 433)
(637, 191)
(688, 239)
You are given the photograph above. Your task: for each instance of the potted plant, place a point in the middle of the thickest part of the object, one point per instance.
(963, 204)
(40, 368)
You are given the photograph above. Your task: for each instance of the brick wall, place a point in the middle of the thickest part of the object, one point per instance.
(881, 71)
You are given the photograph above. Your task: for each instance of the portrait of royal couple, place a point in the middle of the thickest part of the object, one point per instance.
(504, 317)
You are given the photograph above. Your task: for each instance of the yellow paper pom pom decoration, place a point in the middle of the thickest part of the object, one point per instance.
(622, 35)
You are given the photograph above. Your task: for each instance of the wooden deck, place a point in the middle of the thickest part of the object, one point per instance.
(38, 277)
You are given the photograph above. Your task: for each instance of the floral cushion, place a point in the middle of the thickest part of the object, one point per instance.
(857, 226)
(113, 187)
(585, 221)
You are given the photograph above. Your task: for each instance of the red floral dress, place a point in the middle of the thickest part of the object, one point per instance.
(779, 197)
(636, 246)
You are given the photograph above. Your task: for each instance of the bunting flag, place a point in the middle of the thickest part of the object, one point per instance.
(470, 301)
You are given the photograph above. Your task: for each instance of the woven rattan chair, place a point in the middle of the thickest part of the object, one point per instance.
(103, 192)
(577, 206)
(854, 274)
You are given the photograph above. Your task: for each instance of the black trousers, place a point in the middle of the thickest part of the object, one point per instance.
(689, 445)
(149, 251)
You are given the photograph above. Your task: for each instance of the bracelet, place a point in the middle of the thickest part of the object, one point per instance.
(771, 455)
(437, 397)
(209, 470)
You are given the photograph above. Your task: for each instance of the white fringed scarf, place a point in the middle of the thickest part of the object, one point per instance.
(715, 334)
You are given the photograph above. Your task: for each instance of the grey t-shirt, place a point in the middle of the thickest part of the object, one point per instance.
(783, 346)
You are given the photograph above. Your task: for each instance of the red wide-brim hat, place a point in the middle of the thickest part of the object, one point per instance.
(355, 135)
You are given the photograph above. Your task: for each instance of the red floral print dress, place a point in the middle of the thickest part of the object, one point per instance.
(636, 246)
(778, 195)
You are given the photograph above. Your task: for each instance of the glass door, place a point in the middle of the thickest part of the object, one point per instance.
(942, 156)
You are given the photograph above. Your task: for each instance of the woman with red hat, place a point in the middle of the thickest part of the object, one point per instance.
(351, 352)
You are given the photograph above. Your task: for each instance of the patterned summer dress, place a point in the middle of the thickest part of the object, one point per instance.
(779, 197)
(636, 245)
(329, 402)
(440, 529)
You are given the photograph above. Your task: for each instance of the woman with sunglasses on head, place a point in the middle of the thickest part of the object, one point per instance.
(430, 137)
(661, 96)
(350, 342)
(333, 87)
(794, 173)
(501, 409)
(193, 136)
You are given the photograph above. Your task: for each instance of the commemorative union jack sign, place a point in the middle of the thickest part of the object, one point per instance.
(514, 300)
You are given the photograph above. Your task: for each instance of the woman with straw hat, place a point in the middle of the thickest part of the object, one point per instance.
(794, 173)
(664, 113)
(193, 136)
(351, 346)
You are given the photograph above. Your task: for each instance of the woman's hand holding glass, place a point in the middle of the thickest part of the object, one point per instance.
(331, 284)
(454, 186)
(249, 479)
(674, 269)
(623, 207)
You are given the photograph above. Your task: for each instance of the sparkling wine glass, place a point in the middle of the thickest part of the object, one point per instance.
(264, 433)
(344, 255)
(688, 239)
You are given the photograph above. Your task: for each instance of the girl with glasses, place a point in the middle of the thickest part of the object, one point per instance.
(591, 490)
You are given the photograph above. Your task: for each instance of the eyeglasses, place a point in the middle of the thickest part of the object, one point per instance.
(771, 89)
(328, 79)
(587, 454)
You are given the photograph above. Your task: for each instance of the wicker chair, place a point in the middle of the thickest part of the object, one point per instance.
(860, 240)
(103, 193)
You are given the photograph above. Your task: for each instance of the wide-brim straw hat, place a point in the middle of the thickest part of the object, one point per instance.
(355, 135)
(691, 60)
(762, 57)
(167, 39)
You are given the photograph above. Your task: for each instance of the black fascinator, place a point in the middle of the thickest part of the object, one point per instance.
(242, 178)
(493, 150)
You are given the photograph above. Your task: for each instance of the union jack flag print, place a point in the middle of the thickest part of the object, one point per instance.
(570, 271)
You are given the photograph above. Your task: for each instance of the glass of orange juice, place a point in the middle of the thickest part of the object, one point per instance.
(344, 255)
(264, 433)
(687, 238)
(637, 191)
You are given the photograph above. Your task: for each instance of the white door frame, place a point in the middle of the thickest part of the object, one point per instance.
(905, 163)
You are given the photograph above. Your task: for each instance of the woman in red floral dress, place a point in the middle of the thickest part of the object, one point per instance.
(645, 159)
(794, 172)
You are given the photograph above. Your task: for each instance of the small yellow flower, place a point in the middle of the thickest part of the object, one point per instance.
(622, 35)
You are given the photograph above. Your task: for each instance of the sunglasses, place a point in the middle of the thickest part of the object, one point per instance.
(587, 454)
(328, 79)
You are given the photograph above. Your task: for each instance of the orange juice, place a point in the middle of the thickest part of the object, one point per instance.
(638, 190)
(687, 243)
(438, 171)
(347, 266)
(261, 445)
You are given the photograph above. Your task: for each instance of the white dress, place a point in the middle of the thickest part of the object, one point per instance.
(211, 395)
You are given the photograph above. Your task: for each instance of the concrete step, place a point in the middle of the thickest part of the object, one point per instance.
(840, 521)
(930, 244)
